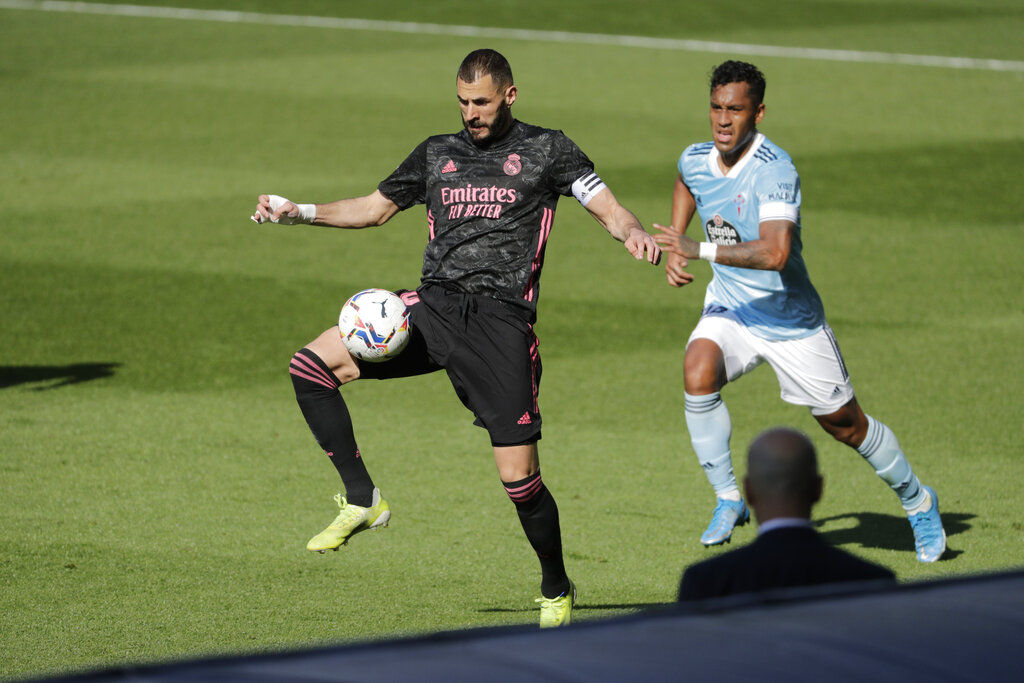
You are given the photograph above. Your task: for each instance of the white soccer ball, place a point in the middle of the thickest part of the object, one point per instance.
(374, 325)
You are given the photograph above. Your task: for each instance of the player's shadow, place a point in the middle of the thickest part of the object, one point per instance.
(887, 532)
(630, 606)
(54, 376)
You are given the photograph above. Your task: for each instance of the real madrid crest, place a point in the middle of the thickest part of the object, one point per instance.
(512, 165)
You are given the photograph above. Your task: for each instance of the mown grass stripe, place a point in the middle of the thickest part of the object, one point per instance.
(644, 42)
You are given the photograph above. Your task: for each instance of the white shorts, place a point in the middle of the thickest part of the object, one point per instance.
(810, 370)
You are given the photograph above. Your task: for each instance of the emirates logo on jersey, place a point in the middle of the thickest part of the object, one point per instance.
(513, 165)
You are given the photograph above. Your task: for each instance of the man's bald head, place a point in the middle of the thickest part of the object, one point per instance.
(782, 475)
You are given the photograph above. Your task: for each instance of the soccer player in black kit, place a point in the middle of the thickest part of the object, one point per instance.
(490, 192)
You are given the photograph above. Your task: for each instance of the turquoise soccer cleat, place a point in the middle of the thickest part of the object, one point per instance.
(728, 514)
(929, 536)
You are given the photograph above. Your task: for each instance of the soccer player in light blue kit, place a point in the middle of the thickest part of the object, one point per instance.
(761, 307)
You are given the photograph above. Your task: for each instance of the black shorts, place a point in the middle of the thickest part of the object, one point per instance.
(487, 348)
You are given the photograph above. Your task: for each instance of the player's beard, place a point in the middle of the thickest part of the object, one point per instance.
(495, 130)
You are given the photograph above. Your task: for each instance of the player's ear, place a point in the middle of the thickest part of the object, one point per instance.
(760, 113)
(510, 95)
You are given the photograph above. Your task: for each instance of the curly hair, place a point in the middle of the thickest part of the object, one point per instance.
(740, 72)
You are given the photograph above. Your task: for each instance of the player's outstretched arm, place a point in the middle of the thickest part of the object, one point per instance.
(358, 212)
(623, 226)
(770, 251)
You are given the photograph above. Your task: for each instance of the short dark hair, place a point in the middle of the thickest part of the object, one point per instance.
(740, 72)
(484, 62)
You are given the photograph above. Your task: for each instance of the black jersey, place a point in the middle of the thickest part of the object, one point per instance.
(489, 209)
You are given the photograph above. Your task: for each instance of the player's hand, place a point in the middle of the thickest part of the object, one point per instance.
(276, 209)
(674, 241)
(641, 242)
(676, 257)
(675, 271)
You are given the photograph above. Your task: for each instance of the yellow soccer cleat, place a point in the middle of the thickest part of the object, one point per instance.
(350, 521)
(557, 611)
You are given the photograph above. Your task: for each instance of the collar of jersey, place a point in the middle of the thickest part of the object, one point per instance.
(510, 136)
(716, 170)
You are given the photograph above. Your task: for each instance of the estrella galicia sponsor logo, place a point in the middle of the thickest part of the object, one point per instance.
(721, 231)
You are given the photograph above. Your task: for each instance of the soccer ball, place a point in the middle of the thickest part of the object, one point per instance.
(374, 325)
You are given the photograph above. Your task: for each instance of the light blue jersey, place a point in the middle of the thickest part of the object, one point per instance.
(763, 186)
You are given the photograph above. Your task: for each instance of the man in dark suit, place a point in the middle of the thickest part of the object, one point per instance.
(782, 485)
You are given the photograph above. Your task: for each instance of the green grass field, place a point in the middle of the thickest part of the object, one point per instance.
(157, 481)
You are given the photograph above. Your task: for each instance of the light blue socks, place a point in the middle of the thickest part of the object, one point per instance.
(710, 428)
(882, 451)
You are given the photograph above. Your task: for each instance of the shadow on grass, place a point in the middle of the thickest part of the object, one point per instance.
(603, 606)
(889, 532)
(56, 375)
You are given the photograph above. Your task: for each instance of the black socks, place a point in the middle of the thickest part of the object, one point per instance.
(316, 390)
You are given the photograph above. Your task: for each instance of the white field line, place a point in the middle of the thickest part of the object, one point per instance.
(231, 17)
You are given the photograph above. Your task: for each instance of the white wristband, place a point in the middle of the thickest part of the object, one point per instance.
(307, 212)
(708, 251)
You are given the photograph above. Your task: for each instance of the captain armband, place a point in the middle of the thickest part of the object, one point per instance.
(587, 187)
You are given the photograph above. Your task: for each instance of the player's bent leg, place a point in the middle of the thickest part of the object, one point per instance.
(335, 355)
(704, 367)
(710, 427)
(519, 469)
(316, 391)
(879, 447)
(317, 372)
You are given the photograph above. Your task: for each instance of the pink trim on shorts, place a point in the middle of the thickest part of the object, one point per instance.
(546, 222)
(534, 362)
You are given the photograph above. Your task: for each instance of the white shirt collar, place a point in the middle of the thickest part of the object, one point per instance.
(716, 170)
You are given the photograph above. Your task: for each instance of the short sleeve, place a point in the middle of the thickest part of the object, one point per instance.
(693, 159)
(778, 192)
(407, 184)
(568, 164)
